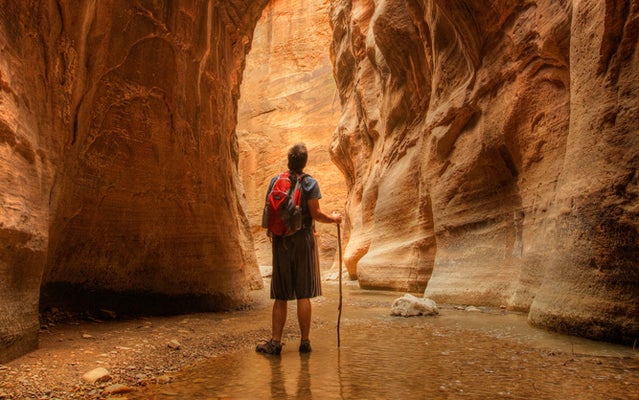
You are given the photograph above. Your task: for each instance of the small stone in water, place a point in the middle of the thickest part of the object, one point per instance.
(117, 388)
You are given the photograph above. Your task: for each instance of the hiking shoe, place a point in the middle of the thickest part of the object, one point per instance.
(305, 346)
(269, 347)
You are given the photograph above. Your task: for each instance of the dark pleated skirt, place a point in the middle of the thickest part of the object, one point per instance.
(296, 273)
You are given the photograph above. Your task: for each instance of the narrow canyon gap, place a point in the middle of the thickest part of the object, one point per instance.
(288, 95)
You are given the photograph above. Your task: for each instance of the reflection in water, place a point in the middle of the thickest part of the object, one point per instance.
(455, 355)
(377, 363)
(279, 379)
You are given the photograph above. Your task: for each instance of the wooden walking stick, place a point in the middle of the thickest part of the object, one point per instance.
(339, 307)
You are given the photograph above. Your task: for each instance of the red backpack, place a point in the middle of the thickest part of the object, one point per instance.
(283, 209)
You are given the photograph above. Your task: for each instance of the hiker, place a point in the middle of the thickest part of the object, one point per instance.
(296, 274)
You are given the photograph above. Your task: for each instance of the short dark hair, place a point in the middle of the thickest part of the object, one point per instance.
(297, 156)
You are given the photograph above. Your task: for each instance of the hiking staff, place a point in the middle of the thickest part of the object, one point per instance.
(339, 307)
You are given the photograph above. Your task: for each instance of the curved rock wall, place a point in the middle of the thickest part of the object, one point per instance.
(491, 154)
(591, 287)
(489, 148)
(27, 167)
(118, 158)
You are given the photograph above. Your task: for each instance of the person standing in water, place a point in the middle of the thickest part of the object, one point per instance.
(296, 274)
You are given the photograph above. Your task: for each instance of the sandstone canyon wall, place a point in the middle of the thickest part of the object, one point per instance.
(288, 95)
(491, 151)
(118, 158)
(27, 167)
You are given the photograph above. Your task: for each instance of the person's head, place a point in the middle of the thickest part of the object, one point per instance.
(297, 156)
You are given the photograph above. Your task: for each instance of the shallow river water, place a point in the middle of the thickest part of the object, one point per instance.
(458, 354)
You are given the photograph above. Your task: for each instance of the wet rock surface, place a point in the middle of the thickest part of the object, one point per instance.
(411, 306)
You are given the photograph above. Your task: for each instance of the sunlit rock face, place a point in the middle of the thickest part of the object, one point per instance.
(491, 154)
(288, 95)
(118, 159)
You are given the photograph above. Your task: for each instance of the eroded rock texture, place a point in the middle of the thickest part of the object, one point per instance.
(118, 158)
(491, 152)
(288, 95)
(26, 170)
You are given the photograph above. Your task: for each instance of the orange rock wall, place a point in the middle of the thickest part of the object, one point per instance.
(28, 159)
(118, 158)
(491, 152)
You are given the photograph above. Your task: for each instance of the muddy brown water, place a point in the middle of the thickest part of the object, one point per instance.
(458, 354)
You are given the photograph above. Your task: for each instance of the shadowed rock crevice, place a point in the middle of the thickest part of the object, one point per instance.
(107, 304)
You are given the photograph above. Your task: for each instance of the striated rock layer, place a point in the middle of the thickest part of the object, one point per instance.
(118, 158)
(491, 153)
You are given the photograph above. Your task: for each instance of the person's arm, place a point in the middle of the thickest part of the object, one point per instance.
(321, 216)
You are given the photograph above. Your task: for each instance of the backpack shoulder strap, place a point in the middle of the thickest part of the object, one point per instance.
(303, 193)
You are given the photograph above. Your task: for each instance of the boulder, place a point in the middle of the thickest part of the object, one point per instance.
(410, 306)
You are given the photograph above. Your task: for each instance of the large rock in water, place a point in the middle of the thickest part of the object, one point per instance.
(411, 306)
(492, 154)
(118, 158)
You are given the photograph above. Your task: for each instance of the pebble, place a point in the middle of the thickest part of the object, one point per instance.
(117, 389)
(99, 374)
(174, 344)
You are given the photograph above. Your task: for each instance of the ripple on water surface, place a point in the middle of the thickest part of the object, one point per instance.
(454, 355)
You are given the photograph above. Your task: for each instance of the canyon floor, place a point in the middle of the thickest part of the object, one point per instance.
(468, 350)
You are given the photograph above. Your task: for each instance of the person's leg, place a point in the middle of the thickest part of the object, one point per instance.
(304, 317)
(307, 285)
(281, 288)
(278, 319)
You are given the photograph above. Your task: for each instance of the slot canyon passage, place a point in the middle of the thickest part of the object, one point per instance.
(484, 153)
